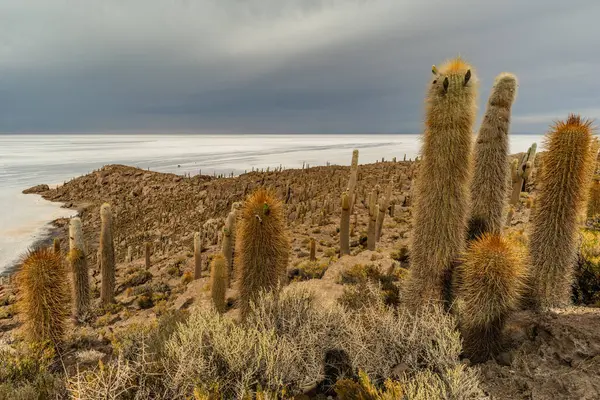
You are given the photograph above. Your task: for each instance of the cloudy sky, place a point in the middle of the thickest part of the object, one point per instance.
(283, 66)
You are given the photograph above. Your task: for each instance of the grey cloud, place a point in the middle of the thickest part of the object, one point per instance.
(282, 66)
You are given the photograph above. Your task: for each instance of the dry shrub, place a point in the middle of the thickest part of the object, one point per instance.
(280, 348)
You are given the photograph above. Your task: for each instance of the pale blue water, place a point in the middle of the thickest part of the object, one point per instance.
(28, 160)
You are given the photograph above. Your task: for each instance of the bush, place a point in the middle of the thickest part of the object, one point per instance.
(312, 269)
(586, 288)
(136, 278)
(362, 274)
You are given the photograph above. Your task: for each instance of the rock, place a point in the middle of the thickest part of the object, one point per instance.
(37, 189)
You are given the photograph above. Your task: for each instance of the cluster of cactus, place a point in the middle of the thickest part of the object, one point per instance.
(489, 184)
(520, 172)
(441, 202)
(262, 248)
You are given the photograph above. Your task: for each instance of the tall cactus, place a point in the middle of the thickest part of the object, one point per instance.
(229, 241)
(44, 297)
(521, 171)
(79, 270)
(312, 250)
(345, 226)
(218, 281)
(197, 255)
(442, 193)
(383, 206)
(107, 255)
(353, 179)
(490, 283)
(489, 185)
(147, 254)
(372, 227)
(563, 179)
(262, 247)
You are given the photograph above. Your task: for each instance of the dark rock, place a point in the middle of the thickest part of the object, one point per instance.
(37, 189)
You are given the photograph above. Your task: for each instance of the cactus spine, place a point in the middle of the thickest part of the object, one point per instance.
(520, 172)
(373, 212)
(44, 296)
(107, 255)
(218, 281)
(345, 225)
(490, 283)
(384, 205)
(442, 190)
(197, 255)
(79, 270)
(489, 185)
(564, 176)
(262, 247)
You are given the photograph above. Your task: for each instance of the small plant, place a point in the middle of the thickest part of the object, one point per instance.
(187, 278)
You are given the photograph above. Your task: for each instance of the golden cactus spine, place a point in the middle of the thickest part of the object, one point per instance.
(218, 281)
(372, 227)
(563, 181)
(107, 256)
(79, 270)
(441, 201)
(345, 225)
(489, 286)
(383, 207)
(491, 168)
(262, 247)
(44, 297)
(197, 255)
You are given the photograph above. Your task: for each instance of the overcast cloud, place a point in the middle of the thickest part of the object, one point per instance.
(278, 66)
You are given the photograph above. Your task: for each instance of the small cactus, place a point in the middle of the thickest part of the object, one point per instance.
(489, 184)
(490, 283)
(262, 247)
(441, 201)
(218, 281)
(383, 206)
(79, 270)
(564, 178)
(197, 255)
(345, 226)
(312, 250)
(56, 245)
(44, 296)
(353, 179)
(521, 171)
(107, 256)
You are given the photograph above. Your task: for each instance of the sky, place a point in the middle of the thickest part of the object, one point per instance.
(284, 66)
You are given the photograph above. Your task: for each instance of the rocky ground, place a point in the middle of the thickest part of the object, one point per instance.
(555, 355)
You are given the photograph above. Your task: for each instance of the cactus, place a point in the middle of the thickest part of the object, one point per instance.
(345, 226)
(197, 255)
(262, 247)
(441, 202)
(79, 270)
(107, 256)
(564, 178)
(147, 253)
(520, 173)
(383, 206)
(218, 281)
(353, 179)
(373, 212)
(56, 245)
(491, 167)
(489, 285)
(228, 241)
(44, 297)
(312, 250)
(593, 208)
(129, 254)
